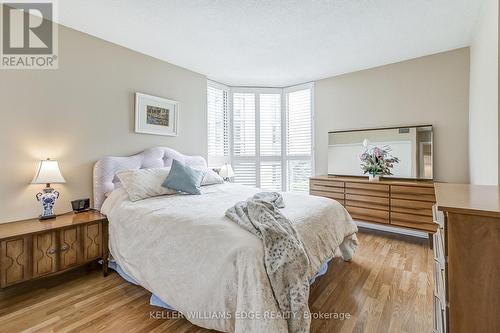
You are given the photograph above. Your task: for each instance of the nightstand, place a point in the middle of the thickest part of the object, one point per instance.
(33, 249)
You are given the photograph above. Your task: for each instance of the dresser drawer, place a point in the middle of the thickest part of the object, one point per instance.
(369, 215)
(378, 190)
(413, 221)
(411, 218)
(331, 195)
(413, 193)
(412, 207)
(324, 188)
(328, 183)
(365, 201)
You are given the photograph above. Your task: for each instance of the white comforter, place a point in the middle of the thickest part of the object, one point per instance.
(184, 250)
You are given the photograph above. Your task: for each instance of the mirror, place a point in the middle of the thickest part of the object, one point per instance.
(411, 145)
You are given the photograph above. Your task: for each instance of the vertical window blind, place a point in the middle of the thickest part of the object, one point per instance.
(270, 145)
(298, 123)
(218, 125)
(244, 139)
(270, 141)
(244, 124)
(298, 139)
(270, 124)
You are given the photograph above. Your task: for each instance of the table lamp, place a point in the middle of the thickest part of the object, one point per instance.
(48, 173)
(226, 172)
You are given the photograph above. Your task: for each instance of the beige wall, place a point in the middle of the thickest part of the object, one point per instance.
(429, 90)
(83, 111)
(483, 109)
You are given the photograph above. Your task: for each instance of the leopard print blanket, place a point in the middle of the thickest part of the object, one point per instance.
(285, 258)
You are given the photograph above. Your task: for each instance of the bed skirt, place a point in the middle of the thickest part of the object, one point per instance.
(156, 301)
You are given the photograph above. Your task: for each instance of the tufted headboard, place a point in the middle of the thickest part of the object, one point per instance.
(106, 168)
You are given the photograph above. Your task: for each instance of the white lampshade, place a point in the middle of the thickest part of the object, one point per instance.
(226, 171)
(48, 173)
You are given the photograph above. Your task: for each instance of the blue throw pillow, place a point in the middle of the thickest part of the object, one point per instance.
(183, 178)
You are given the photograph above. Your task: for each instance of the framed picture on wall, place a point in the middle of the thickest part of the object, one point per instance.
(155, 115)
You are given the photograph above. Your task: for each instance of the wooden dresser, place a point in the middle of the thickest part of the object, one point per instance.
(467, 259)
(400, 203)
(32, 249)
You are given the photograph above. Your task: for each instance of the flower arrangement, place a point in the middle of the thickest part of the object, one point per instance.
(377, 161)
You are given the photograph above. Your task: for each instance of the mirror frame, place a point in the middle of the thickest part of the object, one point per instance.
(387, 128)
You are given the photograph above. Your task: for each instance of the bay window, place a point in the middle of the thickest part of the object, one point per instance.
(269, 136)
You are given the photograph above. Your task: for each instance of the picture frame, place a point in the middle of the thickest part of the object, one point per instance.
(156, 115)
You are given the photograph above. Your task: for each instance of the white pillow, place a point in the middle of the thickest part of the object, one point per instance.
(211, 177)
(144, 183)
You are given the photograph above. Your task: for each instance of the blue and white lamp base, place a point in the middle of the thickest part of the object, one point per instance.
(48, 199)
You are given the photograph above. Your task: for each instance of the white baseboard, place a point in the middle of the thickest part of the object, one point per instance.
(395, 230)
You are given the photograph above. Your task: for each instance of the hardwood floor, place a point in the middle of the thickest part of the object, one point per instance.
(386, 288)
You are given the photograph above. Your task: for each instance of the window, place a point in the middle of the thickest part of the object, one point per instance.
(298, 139)
(270, 124)
(218, 124)
(257, 137)
(270, 142)
(244, 140)
(244, 124)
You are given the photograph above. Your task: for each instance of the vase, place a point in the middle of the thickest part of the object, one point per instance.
(48, 200)
(374, 178)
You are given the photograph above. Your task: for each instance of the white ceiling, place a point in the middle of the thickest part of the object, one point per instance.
(276, 42)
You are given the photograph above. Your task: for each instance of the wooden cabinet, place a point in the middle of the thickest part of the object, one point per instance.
(401, 203)
(92, 241)
(15, 260)
(33, 249)
(467, 292)
(70, 247)
(45, 250)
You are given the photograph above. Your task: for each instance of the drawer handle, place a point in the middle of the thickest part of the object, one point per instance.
(65, 247)
(51, 251)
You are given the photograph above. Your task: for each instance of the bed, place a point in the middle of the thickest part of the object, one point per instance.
(189, 255)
